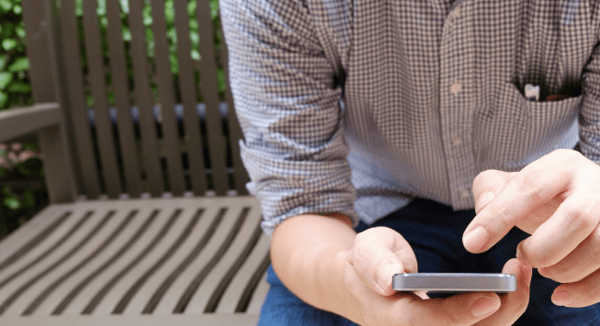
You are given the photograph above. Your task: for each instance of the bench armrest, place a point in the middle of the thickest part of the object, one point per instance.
(18, 122)
(46, 120)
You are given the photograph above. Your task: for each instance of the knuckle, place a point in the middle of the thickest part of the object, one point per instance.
(551, 272)
(413, 314)
(361, 249)
(359, 257)
(539, 258)
(536, 254)
(566, 154)
(578, 217)
(587, 293)
(529, 183)
(503, 215)
(453, 319)
(562, 275)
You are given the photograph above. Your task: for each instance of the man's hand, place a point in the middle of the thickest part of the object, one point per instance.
(556, 199)
(379, 253)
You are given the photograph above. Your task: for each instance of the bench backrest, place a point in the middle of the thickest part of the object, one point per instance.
(143, 143)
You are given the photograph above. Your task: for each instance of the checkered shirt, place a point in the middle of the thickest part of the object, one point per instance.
(356, 107)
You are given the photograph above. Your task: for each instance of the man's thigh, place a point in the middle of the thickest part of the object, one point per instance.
(282, 307)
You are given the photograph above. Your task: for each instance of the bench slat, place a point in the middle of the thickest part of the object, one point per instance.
(235, 132)
(103, 296)
(19, 293)
(187, 85)
(73, 78)
(207, 297)
(197, 269)
(210, 96)
(239, 290)
(120, 87)
(77, 283)
(144, 101)
(259, 295)
(104, 134)
(167, 99)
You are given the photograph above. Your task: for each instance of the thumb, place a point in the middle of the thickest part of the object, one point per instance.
(378, 254)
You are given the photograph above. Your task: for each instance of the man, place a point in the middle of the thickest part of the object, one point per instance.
(398, 118)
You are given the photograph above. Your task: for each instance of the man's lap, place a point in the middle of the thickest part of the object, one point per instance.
(435, 234)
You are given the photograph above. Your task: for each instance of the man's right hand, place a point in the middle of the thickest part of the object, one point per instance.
(379, 253)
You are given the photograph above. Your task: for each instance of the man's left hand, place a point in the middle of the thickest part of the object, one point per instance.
(556, 199)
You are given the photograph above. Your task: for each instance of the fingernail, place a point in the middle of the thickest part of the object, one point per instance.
(484, 306)
(484, 199)
(476, 239)
(561, 298)
(385, 274)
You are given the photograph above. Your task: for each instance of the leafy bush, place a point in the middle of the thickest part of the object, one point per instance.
(23, 192)
(14, 83)
(21, 183)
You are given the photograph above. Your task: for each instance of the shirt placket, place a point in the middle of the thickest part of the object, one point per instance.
(457, 91)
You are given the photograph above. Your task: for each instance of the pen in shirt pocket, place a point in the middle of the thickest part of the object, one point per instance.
(532, 93)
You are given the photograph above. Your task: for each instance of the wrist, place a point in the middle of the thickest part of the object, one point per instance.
(350, 306)
(309, 254)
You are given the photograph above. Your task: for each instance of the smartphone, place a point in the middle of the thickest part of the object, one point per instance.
(455, 282)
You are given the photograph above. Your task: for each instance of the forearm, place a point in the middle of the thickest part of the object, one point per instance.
(308, 254)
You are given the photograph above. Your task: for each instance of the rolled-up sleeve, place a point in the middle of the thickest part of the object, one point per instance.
(288, 105)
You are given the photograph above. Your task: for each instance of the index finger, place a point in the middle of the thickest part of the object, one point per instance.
(536, 184)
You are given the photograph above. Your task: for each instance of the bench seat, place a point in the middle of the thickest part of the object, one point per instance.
(198, 260)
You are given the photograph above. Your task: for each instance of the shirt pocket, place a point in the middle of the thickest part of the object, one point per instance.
(511, 130)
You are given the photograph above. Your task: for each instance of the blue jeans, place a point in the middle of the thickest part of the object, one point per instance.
(435, 233)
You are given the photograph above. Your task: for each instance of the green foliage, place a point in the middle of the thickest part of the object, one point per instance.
(171, 33)
(5, 79)
(21, 64)
(22, 190)
(14, 64)
(16, 199)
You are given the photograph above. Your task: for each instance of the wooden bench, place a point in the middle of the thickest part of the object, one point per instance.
(141, 230)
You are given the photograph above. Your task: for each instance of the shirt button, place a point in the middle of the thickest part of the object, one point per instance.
(455, 88)
(457, 141)
(455, 13)
(465, 193)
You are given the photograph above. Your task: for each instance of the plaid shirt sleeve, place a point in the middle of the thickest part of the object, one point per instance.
(289, 110)
(589, 114)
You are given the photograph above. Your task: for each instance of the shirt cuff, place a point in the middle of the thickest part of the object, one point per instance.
(290, 188)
